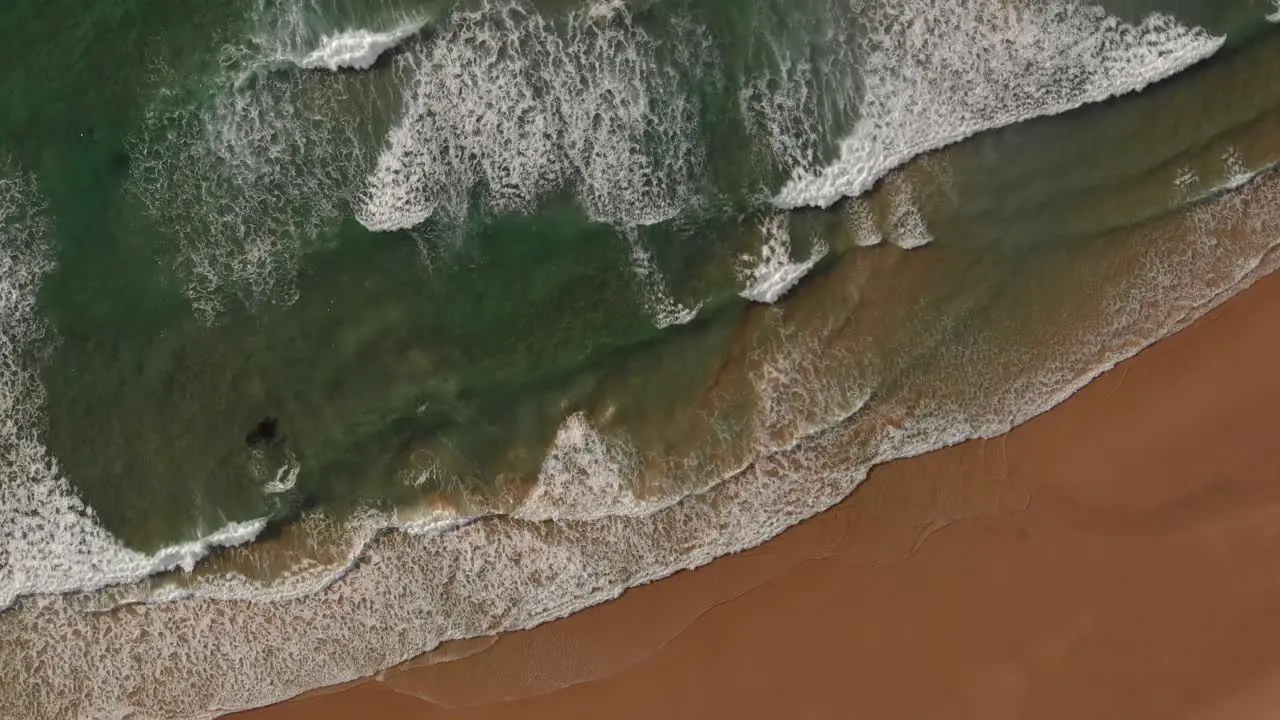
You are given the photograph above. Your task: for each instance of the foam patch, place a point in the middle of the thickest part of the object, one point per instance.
(937, 71)
(508, 102)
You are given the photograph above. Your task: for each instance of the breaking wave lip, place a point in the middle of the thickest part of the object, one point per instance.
(771, 282)
(356, 49)
(117, 565)
(185, 555)
(919, 98)
(774, 273)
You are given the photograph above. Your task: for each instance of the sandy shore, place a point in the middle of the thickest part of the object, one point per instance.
(1117, 557)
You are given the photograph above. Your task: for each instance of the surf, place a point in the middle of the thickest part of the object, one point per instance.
(585, 532)
(356, 49)
(513, 572)
(940, 71)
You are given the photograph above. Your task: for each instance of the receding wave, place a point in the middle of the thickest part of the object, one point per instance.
(817, 428)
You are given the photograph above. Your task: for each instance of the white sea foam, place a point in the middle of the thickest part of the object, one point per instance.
(185, 555)
(356, 49)
(1238, 174)
(585, 476)
(247, 182)
(1274, 16)
(505, 99)
(862, 223)
(285, 479)
(908, 229)
(1191, 188)
(803, 83)
(1187, 179)
(50, 540)
(411, 592)
(312, 36)
(665, 309)
(245, 186)
(937, 71)
(773, 273)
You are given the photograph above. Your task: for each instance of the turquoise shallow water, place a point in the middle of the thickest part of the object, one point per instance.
(294, 282)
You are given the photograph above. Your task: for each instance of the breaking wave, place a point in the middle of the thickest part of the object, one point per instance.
(355, 49)
(516, 106)
(315, 37)
(664, 309)
(938, 71)
(510, 104)
(506, 100)
(414, 591)
(50, 541)
(773, 273)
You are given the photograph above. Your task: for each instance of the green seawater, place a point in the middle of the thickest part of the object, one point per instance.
(173, 395)
(570, 204)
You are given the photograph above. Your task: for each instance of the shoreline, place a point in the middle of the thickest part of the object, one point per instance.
(1109, 519)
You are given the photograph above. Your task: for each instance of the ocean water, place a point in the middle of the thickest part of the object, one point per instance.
(330, 331)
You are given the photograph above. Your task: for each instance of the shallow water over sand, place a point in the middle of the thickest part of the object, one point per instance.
(301, 308)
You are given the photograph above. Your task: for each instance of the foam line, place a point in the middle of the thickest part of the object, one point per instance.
(774, 273)
(356, 49)
(505, 99)
(938, 71)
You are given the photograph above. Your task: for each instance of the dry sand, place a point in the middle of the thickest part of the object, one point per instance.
(1116, 557)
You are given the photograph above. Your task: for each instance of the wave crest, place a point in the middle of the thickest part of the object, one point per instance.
(356, 49)
(938, 71)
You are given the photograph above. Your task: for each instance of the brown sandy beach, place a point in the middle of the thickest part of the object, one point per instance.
(1116, 557)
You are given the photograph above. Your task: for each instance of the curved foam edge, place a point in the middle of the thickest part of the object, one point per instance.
(919, 98)
(772, 275)
(50, 541)
(356, 49)
(185, 555)
(100, 561)
(507, 99)
(665, 310)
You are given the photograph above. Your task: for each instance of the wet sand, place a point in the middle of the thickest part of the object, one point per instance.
(1116, 557)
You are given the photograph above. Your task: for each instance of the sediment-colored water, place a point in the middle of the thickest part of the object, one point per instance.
(334, 332)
